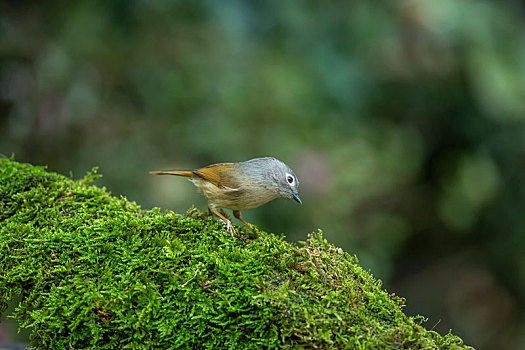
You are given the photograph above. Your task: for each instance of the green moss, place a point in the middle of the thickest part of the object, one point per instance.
(96, 271)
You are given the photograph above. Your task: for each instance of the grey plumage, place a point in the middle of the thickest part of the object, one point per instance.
(271, 174)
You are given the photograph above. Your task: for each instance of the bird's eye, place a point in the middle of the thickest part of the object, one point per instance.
(289, 178)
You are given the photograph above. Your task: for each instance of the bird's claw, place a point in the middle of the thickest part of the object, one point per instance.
(229, 227)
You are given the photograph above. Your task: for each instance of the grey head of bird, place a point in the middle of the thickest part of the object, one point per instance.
(274, 175)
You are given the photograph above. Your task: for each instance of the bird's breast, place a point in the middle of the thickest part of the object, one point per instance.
(242, 198)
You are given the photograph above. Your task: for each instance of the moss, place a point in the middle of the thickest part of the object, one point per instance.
(96, 271)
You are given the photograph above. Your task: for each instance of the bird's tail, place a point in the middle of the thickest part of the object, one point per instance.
(185, 173)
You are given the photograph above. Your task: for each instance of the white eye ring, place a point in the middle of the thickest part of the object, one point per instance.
(290, 179)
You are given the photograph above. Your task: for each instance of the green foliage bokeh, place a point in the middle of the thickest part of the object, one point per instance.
(404, 121)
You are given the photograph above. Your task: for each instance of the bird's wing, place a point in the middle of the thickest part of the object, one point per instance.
(222, 175)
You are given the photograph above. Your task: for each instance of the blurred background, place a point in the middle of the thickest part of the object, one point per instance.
(404, 121)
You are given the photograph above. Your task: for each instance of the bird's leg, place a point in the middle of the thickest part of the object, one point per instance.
(224, 214)
(237, 214)
(229, 226)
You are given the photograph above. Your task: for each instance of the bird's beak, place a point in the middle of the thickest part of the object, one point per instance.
(296, 197)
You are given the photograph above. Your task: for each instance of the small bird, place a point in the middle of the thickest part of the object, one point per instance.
(242, 186)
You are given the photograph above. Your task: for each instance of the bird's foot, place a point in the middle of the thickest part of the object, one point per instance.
(229, 227)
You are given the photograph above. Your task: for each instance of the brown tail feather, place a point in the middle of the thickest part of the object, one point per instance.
(186, 173)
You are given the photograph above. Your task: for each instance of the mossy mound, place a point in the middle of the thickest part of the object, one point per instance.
(96, 271)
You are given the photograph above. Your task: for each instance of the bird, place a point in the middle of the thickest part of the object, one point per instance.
(241, 186)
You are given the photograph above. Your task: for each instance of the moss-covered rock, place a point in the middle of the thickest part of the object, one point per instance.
(96, 271)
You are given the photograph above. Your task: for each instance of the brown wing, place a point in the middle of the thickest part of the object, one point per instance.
(221, 175)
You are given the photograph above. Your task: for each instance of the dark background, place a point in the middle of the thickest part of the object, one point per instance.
(404, 121)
